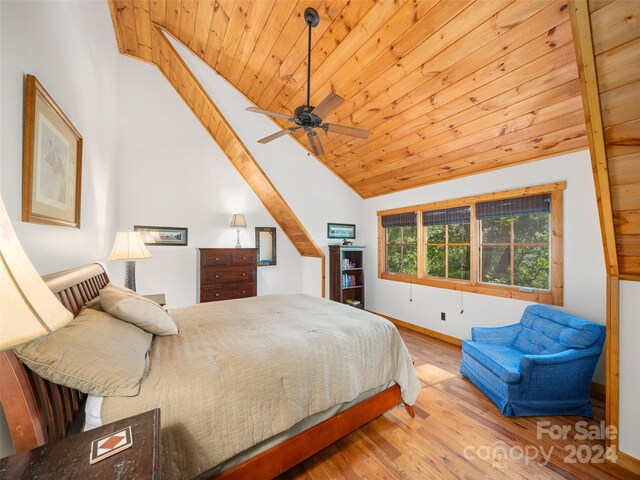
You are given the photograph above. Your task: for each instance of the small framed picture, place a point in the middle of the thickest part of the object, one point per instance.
(166, 236)
(341, 230)
(52, 161)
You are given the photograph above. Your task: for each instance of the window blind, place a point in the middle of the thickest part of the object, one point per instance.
(409, 219)
(447, 216)
(513, 207)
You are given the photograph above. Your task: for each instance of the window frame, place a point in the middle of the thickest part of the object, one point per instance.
(553, 296)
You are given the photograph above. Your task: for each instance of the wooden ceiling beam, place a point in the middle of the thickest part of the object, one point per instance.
(581, 26)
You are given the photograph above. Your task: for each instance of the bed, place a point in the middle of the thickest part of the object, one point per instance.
(218, 430)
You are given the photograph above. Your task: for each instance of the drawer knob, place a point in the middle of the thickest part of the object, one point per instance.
(217, 294)
(217, 258)
(217, 276)
(244, 274)
(244, 258)
(243, 291)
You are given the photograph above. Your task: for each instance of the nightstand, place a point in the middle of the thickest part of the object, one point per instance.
(158, 298)
(69, 457)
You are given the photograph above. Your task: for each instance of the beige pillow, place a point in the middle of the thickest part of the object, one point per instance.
(96, 354)
(95, 304)
(133, 308)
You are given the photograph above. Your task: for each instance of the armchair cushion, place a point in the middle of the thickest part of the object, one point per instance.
(502, 360)
(547, 331)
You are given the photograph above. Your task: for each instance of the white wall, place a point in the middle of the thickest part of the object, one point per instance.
(174, 174)
(312, 191)
(584, 273)
(629, 360)
(70, 48)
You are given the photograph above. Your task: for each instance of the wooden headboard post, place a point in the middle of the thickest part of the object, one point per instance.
(23, 393)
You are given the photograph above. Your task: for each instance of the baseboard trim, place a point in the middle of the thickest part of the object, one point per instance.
(598, 391)
(416, 328)
(628, 462)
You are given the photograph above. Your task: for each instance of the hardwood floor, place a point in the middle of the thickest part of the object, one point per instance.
(457, 433)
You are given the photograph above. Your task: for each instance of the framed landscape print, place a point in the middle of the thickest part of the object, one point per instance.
(52, 161)
(162, 235)
(341, 230)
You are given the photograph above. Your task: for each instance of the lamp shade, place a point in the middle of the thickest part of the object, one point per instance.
(129, 246)
(28, 309)
(237, 221)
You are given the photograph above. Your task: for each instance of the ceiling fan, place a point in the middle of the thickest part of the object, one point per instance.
(307, 116)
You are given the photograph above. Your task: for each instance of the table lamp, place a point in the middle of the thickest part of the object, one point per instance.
(28, 308)
(237, 222)
(130, 247)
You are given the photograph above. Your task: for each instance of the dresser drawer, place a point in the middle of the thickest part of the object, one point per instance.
(227, 293)
(219, 275)
(212, 258)
(245, 257)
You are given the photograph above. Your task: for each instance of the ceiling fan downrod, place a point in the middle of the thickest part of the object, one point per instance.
(312, 19)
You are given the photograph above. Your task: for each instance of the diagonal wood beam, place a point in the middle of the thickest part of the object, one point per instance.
(182, 79)
(583, 42)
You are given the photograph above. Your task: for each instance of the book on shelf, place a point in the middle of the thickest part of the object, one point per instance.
(353, 302)
(348, 280)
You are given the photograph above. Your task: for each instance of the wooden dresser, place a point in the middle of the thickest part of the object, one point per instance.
(227, 273)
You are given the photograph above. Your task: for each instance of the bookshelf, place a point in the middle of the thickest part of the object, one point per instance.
(346, 274)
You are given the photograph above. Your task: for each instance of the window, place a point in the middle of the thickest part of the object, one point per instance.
(507, 244)
(514, 242)
(447, 235)
(401, 247)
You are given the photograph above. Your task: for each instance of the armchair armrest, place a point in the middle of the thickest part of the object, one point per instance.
(500, 335)
(567, 356)
(551, 376)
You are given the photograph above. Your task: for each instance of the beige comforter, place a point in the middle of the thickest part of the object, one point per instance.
(242, 371)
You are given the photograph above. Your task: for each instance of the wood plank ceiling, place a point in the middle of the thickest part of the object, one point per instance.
(448, 88)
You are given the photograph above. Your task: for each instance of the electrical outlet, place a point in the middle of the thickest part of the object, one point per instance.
(443, 316)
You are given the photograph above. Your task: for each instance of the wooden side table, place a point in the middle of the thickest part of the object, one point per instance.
(69, 457)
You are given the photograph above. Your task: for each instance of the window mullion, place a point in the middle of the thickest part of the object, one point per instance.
(474, 247)
(420, 246)
(512, 252)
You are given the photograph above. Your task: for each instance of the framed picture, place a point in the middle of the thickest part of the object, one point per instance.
(341, 230)
(52, 161)
(162, 235)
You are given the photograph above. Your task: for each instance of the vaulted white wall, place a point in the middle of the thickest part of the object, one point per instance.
(70, 48)
(312, 191)
(174, 174)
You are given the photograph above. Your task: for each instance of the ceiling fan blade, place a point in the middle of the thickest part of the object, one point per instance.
(316, 144)
(268, 112)
(274, 136)
(345, 130)
(328, 105)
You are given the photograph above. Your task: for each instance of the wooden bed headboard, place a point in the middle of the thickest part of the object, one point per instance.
(23, 394)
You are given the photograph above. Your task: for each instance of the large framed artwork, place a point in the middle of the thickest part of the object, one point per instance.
(52, 161)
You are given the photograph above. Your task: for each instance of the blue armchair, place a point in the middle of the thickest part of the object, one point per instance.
(540, 366)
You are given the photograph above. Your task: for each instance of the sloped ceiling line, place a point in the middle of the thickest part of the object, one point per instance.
(182, 79)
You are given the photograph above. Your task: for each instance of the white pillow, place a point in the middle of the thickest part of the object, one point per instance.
(130, 307)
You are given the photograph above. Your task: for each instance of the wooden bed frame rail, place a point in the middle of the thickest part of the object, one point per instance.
(39, 411)
(23, 395)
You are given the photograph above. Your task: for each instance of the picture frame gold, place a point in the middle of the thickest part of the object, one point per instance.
(52, 161)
